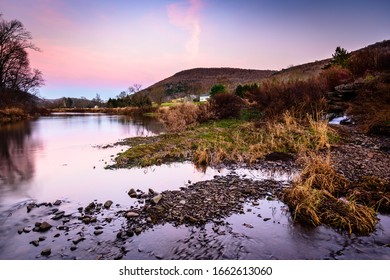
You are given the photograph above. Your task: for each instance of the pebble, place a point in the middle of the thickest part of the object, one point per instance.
(57, 202)
(98, 232)
(35, 243)
(108, 204)
(130, 215)
(45, 226)
(46, 252)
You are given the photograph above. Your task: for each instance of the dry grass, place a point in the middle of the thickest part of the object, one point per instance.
(182, 116)
(231, 140)
(371, 191)
(12, 114)
(315, 199)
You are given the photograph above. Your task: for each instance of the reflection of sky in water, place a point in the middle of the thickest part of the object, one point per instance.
(68, 165)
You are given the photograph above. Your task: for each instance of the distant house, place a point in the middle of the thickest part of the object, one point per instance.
(203, 98)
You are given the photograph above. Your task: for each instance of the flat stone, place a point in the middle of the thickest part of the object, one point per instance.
(98, 232)
(130, 215)
(78, 240)
(27, 229)
(57, 202)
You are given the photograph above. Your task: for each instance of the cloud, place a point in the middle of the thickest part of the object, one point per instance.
(186, 16)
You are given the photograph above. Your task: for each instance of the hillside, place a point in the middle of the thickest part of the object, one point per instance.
(200, 80)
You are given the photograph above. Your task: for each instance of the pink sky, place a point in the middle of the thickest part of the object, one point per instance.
(103, 47)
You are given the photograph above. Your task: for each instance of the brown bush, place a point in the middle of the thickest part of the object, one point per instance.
(182, 116)
(226, 105)
(273, 98)
(371, 107)
(336, 75)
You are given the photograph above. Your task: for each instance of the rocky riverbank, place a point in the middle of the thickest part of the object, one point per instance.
(96, 223)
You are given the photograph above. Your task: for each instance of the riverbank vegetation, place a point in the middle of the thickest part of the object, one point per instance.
(288, 117)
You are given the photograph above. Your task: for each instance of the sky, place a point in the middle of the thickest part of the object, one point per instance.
(102, 47)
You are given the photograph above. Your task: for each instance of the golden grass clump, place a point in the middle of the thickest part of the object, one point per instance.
(373, 192)
(314, 199)
(180, 117)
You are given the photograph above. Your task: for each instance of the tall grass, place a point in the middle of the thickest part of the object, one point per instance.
(315, 199)
(231, 141)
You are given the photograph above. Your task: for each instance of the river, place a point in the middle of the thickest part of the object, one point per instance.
(62, 157)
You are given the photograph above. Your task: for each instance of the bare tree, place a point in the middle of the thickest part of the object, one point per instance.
(134, 88)
(15, 71)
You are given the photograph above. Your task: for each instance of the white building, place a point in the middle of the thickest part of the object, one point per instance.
(203, 98)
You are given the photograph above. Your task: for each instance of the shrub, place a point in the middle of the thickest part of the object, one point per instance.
(226, 105)
(216, 89)
(179, 117)
(273, 98)
(336, 75)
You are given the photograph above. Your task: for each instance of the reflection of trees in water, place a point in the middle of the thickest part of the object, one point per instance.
(16, 162)
(144, 125)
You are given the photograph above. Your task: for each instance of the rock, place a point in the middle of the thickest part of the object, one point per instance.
(57, 202)
(132, 193)
(78, 240)
(45, 226)
(108, 204)
(30, 207)
(130, 215)
(20, 231)
(98, 232)
(156, 199)
(42, 238)
(57, 235)
(138, 230)
(130, 233)
(148, 219)
(255, 203)
(108, 219)
(46, 252)
(247, 225)
(151, 192)
(35, 243)
(73, 248)
(266, 219)
(27, 229)
(86, 220)
(59, 215)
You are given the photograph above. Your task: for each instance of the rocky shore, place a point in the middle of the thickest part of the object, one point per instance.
(194, 205)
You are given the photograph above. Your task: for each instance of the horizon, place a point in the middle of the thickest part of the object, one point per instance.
(103, 48)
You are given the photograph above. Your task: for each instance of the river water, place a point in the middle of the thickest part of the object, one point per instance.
(61, 157)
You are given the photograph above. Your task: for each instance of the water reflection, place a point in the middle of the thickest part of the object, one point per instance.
(16, 159)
